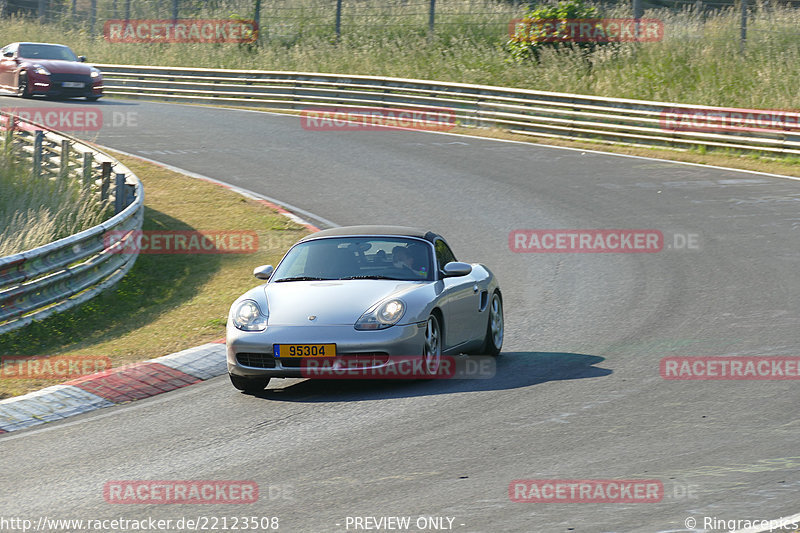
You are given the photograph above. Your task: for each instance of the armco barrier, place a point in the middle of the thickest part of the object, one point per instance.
(534, 113)
(64, 273)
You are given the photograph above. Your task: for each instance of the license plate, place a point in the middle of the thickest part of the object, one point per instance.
(304, 350)
(73, 85)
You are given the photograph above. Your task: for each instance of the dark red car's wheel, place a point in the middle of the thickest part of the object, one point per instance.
(23, 86)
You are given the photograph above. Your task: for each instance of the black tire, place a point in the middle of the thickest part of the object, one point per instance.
(432, 351)
(23, 88)
(249, 385)
(92, 98)
(495, 327)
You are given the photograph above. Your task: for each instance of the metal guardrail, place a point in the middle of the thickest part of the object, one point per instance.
(527, 112)
(54, 277)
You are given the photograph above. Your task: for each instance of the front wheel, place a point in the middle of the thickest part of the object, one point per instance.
(493, 341)
(23, 85)
(432, 352)
(249, 385)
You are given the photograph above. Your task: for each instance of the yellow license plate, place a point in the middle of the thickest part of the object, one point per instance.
(304, 350)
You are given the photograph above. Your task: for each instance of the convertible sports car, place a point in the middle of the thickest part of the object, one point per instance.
(28, 69)
(368, 292)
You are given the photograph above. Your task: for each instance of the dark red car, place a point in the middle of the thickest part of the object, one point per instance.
(28, 69)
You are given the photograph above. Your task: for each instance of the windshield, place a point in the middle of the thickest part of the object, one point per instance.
(396, 258)
(46, 51)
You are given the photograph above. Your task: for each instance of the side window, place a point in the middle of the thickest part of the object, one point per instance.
(444, 254)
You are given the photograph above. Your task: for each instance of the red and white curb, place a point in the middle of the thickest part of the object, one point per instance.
(113, 387)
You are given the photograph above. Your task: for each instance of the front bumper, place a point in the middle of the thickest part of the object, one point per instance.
(249, 352)
(53, 85)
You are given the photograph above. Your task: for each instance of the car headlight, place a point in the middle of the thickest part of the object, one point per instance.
(39, 69)
(382, 316)
(95, 73)
(246, 315)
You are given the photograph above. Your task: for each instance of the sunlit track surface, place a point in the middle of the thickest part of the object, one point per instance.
(577, 395)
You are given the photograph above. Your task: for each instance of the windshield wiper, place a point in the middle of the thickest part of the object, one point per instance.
(302, 278)
(368, 276)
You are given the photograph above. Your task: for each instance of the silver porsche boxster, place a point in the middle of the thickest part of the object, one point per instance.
(367, 292)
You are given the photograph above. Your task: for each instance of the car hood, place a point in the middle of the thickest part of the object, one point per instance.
(62, 67)
(339, 302)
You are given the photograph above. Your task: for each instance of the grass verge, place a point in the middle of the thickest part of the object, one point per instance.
(166, 303)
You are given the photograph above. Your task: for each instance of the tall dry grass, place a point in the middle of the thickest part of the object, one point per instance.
(37, 210)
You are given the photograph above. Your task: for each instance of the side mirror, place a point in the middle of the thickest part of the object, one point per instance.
(8, 54)
(264, 271)
(455, 269)
(82, 59)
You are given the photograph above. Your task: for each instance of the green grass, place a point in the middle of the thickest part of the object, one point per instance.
(697, 62)
(166, 303)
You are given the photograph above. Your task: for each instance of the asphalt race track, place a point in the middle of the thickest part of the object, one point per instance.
(578, 393)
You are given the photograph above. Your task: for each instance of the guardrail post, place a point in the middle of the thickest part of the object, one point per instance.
(87, 170)
(119, 192)
(64, 170)
(105, 181)
(37, 153)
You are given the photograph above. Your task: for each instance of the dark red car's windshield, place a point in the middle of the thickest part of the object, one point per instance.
(46, 52)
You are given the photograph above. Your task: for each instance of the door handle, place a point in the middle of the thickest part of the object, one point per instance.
(475, 288)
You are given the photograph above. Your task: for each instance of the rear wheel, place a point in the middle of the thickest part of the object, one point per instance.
(249, 385)
(432, 353)
(493, 341)
(23, 85)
